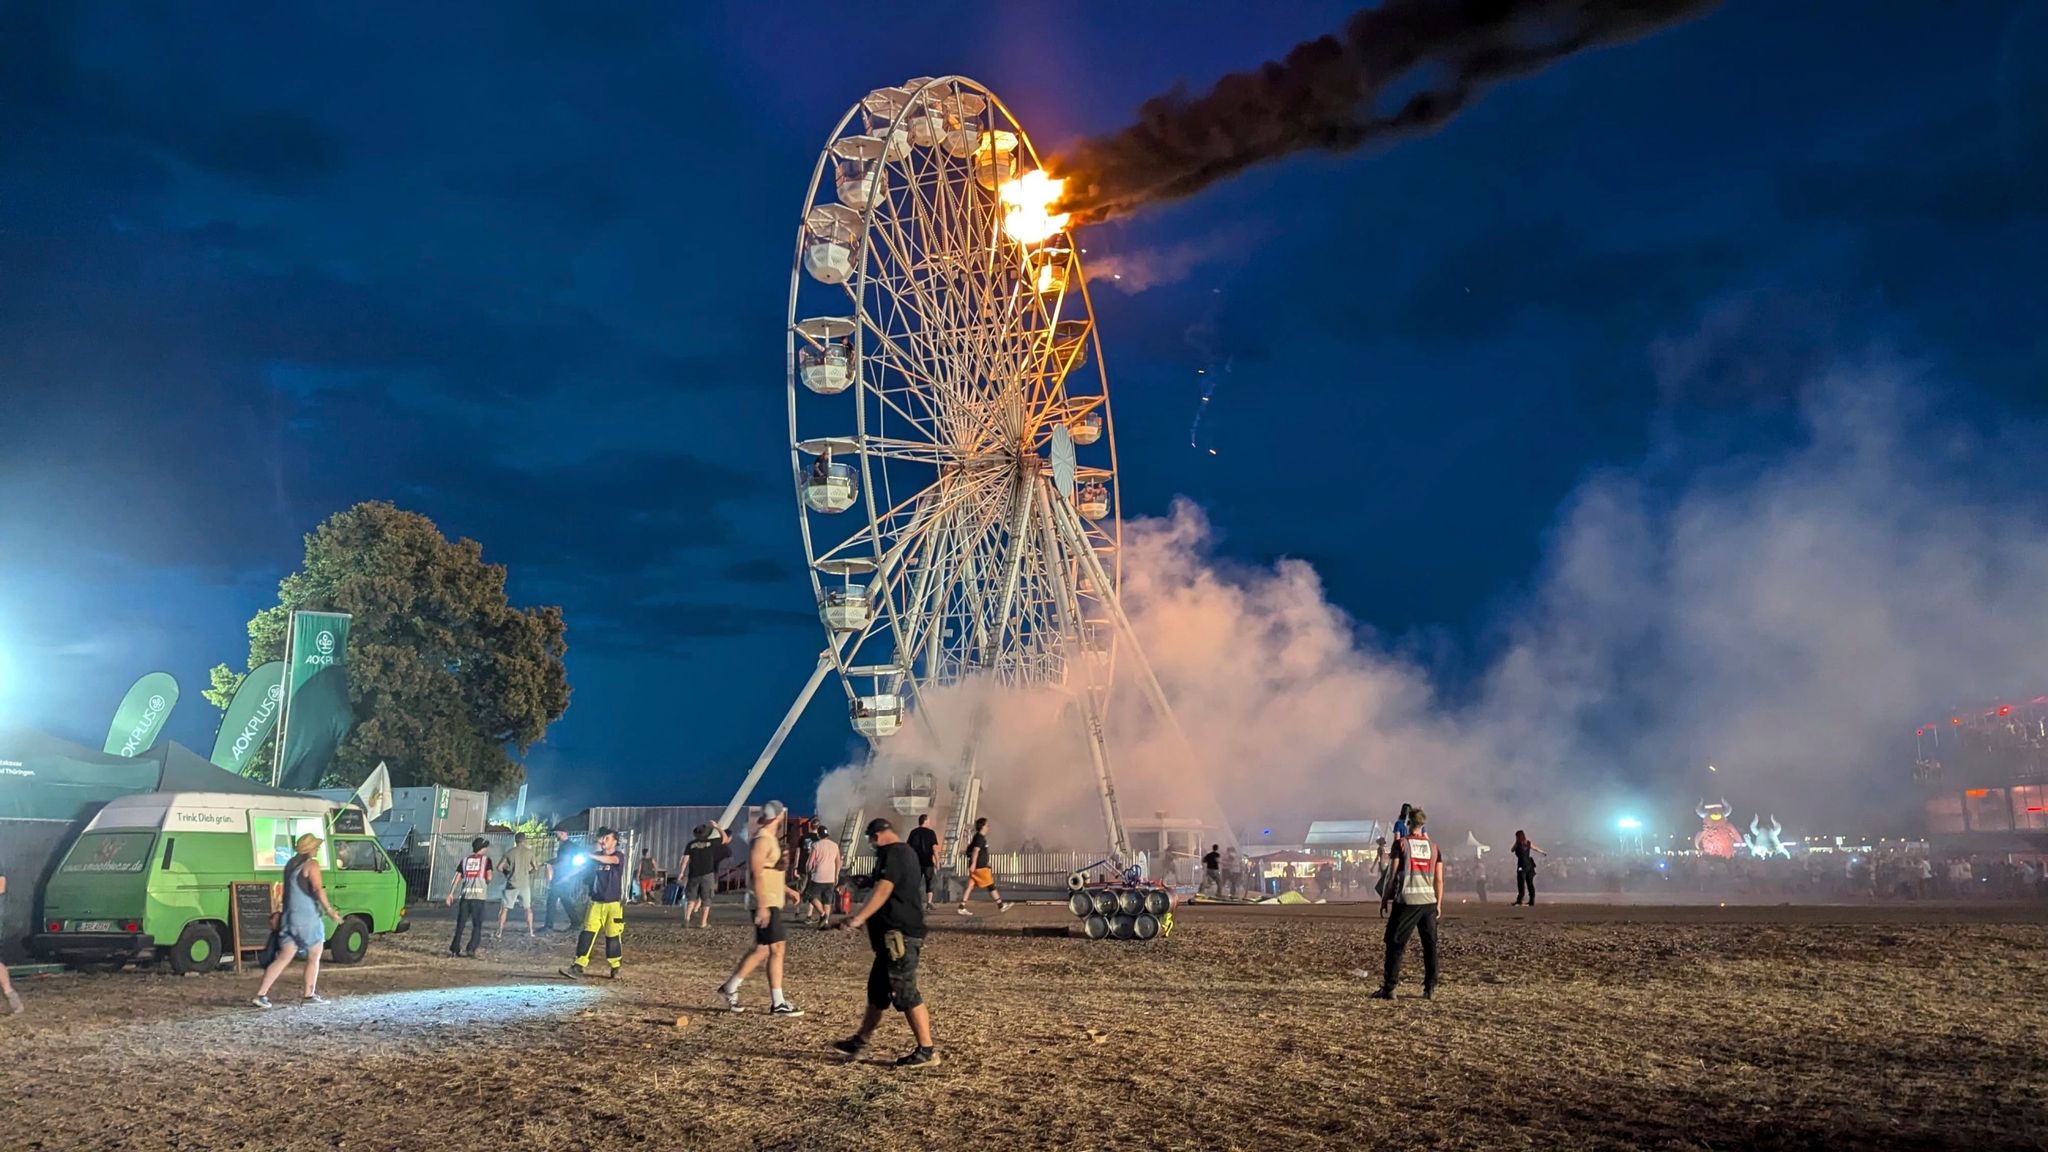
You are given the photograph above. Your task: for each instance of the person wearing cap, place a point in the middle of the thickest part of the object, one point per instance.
(1414, 889)
(472, 884)
(894, 918)
(300, 928)
(607, 913)
(708, 848)
(771, 935)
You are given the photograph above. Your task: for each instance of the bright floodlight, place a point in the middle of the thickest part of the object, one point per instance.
(1629, 823)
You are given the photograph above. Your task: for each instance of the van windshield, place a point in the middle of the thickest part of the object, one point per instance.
(110, 852)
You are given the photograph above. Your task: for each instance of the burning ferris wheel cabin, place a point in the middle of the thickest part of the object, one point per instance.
(951, 443)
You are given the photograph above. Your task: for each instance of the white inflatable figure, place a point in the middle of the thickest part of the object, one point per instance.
(1765, 844)
(1479, 850)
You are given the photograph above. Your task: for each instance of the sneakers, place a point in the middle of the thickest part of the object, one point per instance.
(850, 1047)
(314, 998)
(785, 1009)
(1429, 992)
(1383, 994)
(963, 911)
(611, 974)
(919, 1058)
(732, 999)
(13, 1002)
(573, 971)
(262, 1002)
(1006, 905)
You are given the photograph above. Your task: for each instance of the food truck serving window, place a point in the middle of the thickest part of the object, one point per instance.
(273, 837)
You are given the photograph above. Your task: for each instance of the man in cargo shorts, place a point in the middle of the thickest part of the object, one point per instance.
(894, 918)
(518, 867)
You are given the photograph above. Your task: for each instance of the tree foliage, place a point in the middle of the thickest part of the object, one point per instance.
(445, 676)
(226, 682)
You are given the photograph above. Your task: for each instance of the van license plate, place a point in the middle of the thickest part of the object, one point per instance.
(95, 925)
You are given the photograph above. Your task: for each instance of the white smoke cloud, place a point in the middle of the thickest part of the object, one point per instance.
(1788, 618)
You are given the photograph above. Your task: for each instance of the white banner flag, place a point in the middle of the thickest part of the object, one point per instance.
(375, 794)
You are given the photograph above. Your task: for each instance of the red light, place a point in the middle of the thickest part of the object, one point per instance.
(1976, 793)
(132, 926)
(54, 926)
(2036, 808)
(1955, 719)
(2005, 710)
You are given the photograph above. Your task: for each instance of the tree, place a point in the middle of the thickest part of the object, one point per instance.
(445, 676)
(226, 682)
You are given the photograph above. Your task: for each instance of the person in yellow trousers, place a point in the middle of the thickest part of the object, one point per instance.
(607, 914)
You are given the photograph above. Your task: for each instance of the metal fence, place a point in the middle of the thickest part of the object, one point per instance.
(430, 866)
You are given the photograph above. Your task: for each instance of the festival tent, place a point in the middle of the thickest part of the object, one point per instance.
(44, 777)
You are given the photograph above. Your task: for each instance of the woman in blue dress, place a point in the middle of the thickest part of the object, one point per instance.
(300, 928)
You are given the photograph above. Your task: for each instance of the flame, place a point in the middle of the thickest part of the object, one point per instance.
(1027, 202)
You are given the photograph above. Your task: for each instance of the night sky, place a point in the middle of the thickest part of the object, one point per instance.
(523, 268)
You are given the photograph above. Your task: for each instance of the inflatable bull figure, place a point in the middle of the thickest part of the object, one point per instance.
(1717, 836)
(1764, 844)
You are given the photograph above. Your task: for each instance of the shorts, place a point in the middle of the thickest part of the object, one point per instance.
(306, 936)
(820, 891)
(892, 979)
(982, 878)
(774, 932)
(931, 879)
(703, 887)
(517, 898)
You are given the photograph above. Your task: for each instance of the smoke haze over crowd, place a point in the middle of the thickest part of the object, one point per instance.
(1403, 67)
(1787, 617)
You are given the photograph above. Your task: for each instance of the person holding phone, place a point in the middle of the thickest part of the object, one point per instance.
(300, 928)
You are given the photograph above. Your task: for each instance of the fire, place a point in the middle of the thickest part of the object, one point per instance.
(1027, 207)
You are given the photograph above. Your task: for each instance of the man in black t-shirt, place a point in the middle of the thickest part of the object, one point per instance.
(979, 872)
(1212, 870)
(925, 843)
(706, 851)
(894, 918)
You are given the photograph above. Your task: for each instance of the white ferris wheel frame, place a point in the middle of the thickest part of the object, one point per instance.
(971, 383)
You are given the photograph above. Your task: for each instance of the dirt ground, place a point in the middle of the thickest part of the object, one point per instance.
(1568, 1027)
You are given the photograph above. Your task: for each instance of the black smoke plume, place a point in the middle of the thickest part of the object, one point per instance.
(1404, 67)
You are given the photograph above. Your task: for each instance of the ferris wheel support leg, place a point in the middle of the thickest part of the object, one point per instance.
(1077, 542)
(803, 700)
(1091, 715)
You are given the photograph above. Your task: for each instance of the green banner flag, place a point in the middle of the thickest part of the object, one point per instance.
(316, 708)
(250, 717)
(140, 719)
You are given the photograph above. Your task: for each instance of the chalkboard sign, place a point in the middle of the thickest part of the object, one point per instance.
(348, 822)
(252, 916)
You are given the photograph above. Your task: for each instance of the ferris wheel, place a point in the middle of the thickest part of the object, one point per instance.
(952, 447)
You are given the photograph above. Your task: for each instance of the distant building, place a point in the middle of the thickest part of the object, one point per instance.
(1985, 778)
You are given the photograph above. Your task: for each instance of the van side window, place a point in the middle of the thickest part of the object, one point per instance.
(355, 855)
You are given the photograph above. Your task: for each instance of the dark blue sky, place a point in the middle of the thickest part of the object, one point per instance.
(523, 268)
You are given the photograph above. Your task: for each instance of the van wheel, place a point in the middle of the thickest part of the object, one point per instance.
(351, 939)
(197, 949)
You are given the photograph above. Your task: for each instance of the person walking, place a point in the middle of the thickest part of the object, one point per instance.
(299, 927)
(771, 935)
(563, 871)
(894, 918)
(607, 912)
(518, 868)
(1526, 853)
(1415, 888)
(821, 883)
(1233, 873)
(472, 884)
(708, 848)
(1212, 871)
(925, 843)
(6, 985)
(979, 873)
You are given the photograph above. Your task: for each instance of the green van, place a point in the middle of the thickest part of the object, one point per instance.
(149, 877)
